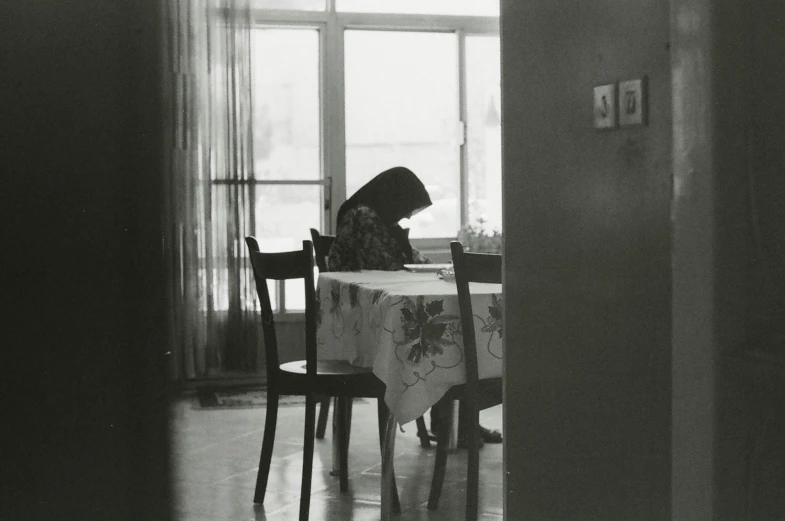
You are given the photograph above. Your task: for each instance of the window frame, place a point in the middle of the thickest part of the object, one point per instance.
(332, 26)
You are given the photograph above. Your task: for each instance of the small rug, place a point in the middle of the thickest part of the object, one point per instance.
(241, 398)
(244, 398)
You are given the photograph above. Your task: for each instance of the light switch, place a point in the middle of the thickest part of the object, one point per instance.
(605, 106)
(632, 102)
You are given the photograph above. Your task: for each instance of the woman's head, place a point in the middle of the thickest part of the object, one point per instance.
(394, 194)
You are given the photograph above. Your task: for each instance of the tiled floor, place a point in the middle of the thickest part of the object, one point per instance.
(216, 457)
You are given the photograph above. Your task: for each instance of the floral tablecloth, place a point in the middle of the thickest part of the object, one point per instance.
(406, 327)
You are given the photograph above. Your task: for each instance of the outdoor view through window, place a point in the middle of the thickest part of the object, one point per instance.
(417, 97)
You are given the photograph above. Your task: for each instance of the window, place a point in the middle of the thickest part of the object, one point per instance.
(287, 142)
(484, 131)
(402, 109)
(344, 89)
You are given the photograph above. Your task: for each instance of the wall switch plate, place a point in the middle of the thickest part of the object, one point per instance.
(605, 106)
(632, 102)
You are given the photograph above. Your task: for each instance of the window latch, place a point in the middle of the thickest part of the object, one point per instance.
(328, 194)
(461, 133)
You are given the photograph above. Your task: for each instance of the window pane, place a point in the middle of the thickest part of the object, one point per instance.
(448, 7)
(284, 216)
(291, 5)
(231, 280)
(484, 129)
(286, 103)
(402, 110)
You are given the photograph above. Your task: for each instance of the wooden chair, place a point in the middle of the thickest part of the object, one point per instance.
(308, 377)
(477, 394)
(321, 245)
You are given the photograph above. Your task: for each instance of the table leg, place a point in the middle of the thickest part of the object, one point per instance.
(335, 442)
(388, 452)
(446, 414)
(387, 425)
(342, 426)
(452, 445)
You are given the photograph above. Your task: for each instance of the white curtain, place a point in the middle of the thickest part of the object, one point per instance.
(210, 199)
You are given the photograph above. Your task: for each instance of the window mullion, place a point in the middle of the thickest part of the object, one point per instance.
(330, 122)
(462, 114)
(281, 296)
(284, 17)
(334, 124)
(419, 22)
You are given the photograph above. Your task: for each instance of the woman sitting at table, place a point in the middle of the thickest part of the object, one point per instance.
(369, 238)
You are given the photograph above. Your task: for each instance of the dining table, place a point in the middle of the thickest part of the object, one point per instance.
(406, 327)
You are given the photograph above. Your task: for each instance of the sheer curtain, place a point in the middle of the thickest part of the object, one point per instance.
(210, 189)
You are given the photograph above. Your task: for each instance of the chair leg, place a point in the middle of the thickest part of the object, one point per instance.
(349, 402)
(324, 411)
(473, 470)
(310, 426)
(422, 433)
(383, 414)
(440, 463)
(267, 447)
(342, 414)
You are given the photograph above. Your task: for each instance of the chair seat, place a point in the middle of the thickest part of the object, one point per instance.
(333, 378)
(325, 367)
(489, 393)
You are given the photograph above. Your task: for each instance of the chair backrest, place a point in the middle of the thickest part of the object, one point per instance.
(321, 247)
(286, 265)
(472, 267)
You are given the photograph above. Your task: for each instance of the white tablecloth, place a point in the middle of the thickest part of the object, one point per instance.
(406, 327)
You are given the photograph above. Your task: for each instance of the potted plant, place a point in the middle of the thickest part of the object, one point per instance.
(477, 238)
